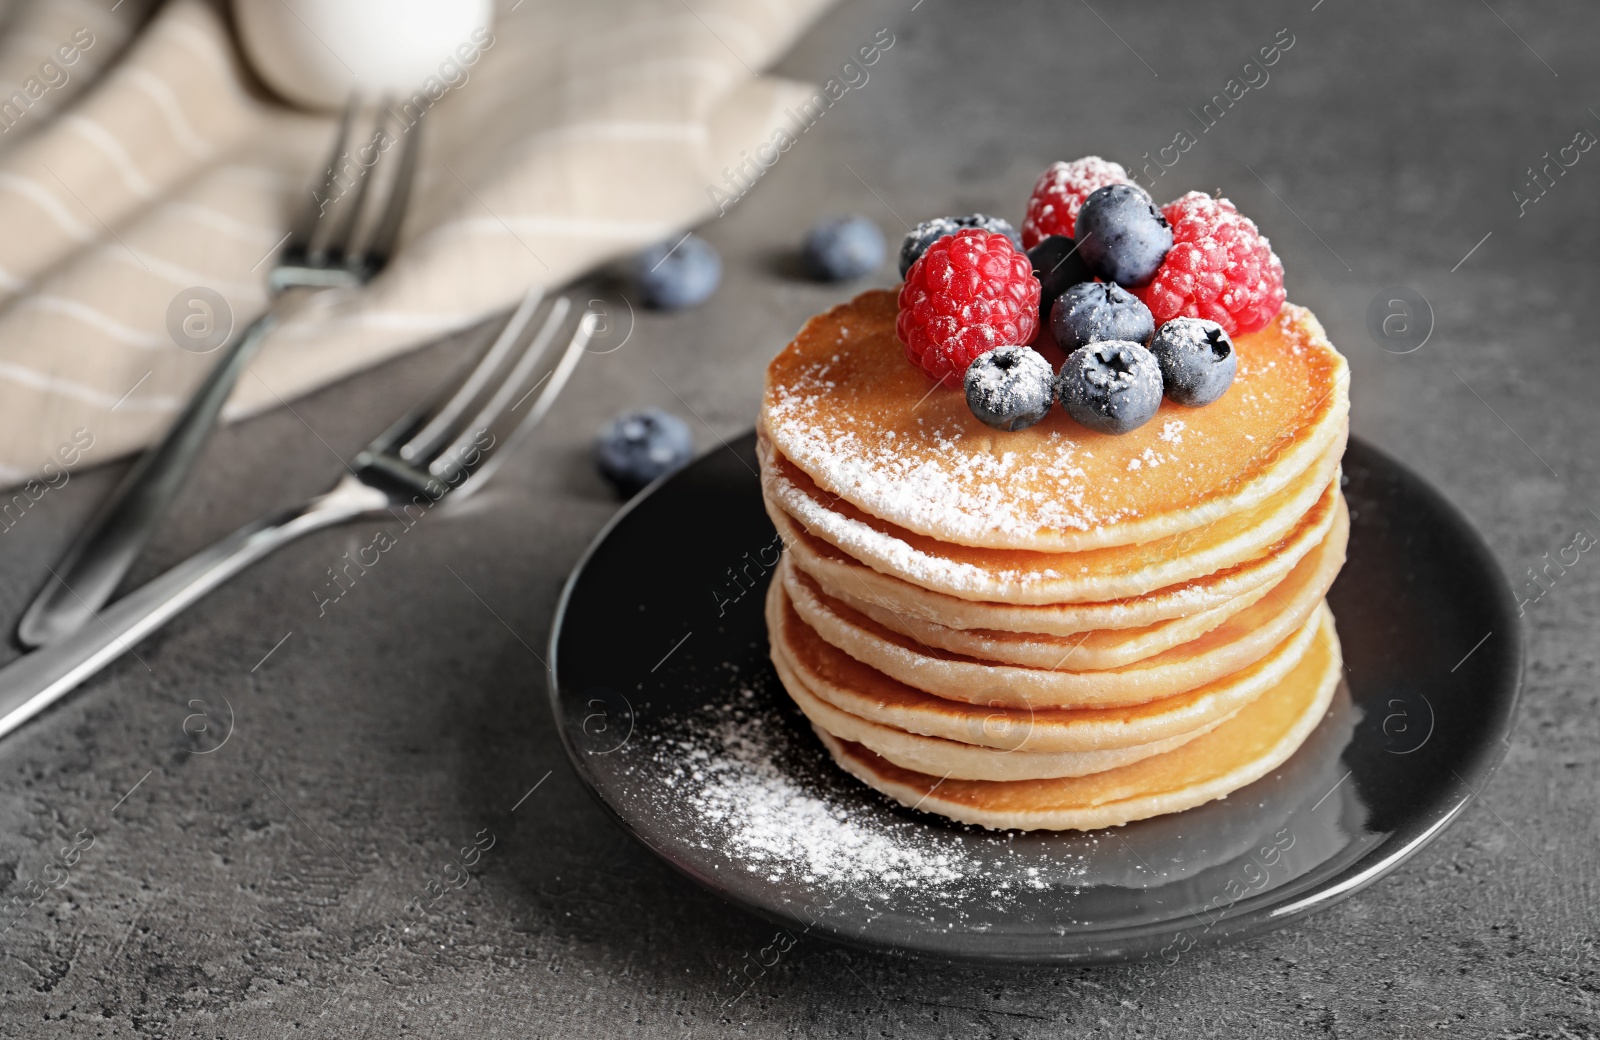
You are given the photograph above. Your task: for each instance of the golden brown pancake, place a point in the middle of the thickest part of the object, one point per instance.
(1238, 642)
(1086, 651)
(842, 577)
(950, 758)
(1240, 751)
(1027, 577)
(843, 405)
(831, 675)
(1094, 650)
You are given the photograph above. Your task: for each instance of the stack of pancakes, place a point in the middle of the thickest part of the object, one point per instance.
(1053, 628)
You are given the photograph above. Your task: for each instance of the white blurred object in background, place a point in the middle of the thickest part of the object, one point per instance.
(315, 52)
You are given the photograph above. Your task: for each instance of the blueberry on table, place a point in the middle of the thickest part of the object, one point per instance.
(925, 234)
(1122, 235)
(1197, 360)
(637, 447)
(671, 277)
(1010, 388)
(842, 249)
(1110, 387)
(1058, 266)
(1090, 312)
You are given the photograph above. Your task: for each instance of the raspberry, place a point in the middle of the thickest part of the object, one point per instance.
(969, 293)
(1221, 268)
(1059, 192)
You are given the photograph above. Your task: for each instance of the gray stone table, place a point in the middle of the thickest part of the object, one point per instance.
(255, 891)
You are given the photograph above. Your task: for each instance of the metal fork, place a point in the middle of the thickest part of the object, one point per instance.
(445, 450)
(323, 252)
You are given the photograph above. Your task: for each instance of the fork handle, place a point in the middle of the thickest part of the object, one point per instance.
(35, 680)
(107, 546)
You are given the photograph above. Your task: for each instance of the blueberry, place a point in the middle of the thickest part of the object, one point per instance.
(1110, 387)
(1123, 236)
(671, 277)
(637, 447)
(1093, 311)
(1197, 360)
(845, 248)
(1058, 266)
(928, 232)
(1010, 388)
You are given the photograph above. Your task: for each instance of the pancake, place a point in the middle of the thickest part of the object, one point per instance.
(1238, 642)
(1027, 577)
(1086, 651)
(1208, 836)
(950, 758)
(842, 404)
(1243, 749)
(842, 577)
(1093, 650)
(831, 675)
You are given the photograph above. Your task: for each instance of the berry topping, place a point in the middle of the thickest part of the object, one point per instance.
(1091, 312)
(1196, 358)
(637, 447)
(1220, 268)
(1121, 234)
(925, 234)
(1110, 387)
(1058, 267)
(1010, 388)
(842, 249)
(969, 293)
(673, 277)
(1060, 190)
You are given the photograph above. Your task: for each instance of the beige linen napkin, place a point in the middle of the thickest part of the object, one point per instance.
(587, 130)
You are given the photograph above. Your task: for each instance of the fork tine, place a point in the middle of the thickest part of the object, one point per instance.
(506, 392)
(576, 347)
(339, 245)
(387, 230)
(438, 430)
(555, 383)
(305, 225)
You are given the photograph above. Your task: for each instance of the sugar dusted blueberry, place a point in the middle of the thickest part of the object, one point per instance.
(1010, 388)
(1090, 312)
(1122, 234)
(1110, 387)
(1197, 360)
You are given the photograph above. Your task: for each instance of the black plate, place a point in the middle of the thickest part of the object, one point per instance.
(674, 719)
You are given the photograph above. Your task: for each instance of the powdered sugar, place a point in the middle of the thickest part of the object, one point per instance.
(755, 792)
(771, 823)
(1040, 578)
(949, 484)
(895, 556)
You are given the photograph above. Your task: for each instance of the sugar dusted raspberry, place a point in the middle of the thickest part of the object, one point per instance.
(1221, 268)
(1059, 192)
(969, 293)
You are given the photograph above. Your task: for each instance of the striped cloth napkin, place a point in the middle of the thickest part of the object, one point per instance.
(139, 158)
